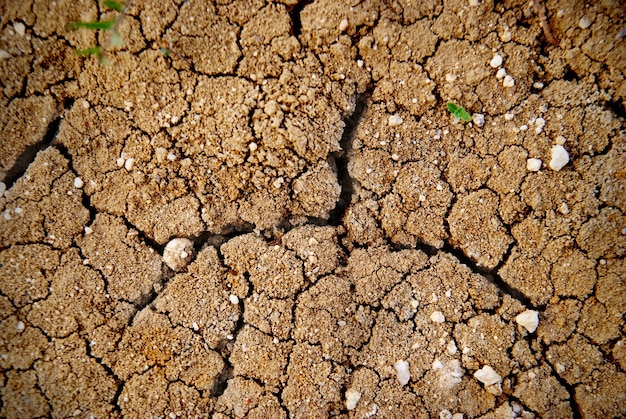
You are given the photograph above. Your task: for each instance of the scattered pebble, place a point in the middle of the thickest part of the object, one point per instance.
(529, 319)
(501, 74)
(560, 140)
(195, 326)
(343, 25)
(253, 146)
(20, 326)
(479, 119)
(563, 208)
(445, 414)
(533, 165)
(4, 55)
(508, 116)
(508, 81)
(496, 61)
(129, 163)
(78, 182)
(18, 210)
(395, 120)
(178, 253)
(437, 317)
(171, 157)
(490, 378)
(20, 28)
(560, 157)
(451, 348)
(233, 299)
(278, 182)
(352, 398)
(539, 124)
(7, 215)
(404, 375)
(584, 22)
(538, 85)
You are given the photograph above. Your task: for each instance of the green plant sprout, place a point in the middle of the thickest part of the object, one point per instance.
(459, 112)
(107, 25)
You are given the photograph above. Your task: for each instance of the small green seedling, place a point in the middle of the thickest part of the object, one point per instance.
(106, 25)
(459, 112)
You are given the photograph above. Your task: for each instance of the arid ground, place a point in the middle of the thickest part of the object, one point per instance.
(349, 248)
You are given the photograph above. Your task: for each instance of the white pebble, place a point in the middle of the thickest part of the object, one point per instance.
(501, 74)
(171, 156)
(538, 85)
(120, 161)
(479, 119)
(174, 251)
(18, 210)
(560, 157)
(529, 319)
(195, 326)
(20, 326)
(4, 55)
(233, 299)
(445, 414)
(352, 398)
(457, 416)
(343, 25)
(451, 348)
(404, 375)
(584, 22)
(508, 116)
(533, 165)
(278, 182)
(253, 146)
(539, 124)
(78, 182)
(437, 317)
(395, 120)
(129, 163)
(508, 81)
(496, 61)
(488, 376)
(6, 215)
(20, 28)
(560, 140)
(437, 365)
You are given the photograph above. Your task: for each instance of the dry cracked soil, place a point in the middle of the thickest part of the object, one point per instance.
(343, 247)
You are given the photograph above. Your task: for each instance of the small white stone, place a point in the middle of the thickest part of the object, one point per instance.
(395, 157)
(88, 230)
(584, 22)
(479, 119)
(195, 326)
(437, 317)
(501, 74)
(129, 163)
(120, 161)
(539, 124)
(457, 416)
(445, 414)
(253, 146)
(4, 55)
(488, 376)
(233, 299)
(278, 182)
(18, 210)
(343, 25)
(451, 348)
(171, 156)
(78, 182)
(496, 61)
(6, 215)
(20, 326)
(352, 398)
(560, 140)
(474, 3)
(509, 116)
(172, 254)
(529, 319)
(404, 375)
(538, 85)
(508, 81)
(533, 165)
(20, 28)
(395, 120)
(560, 157)
(437, 365)
(563, 208)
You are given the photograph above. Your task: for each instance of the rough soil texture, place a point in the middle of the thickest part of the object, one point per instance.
(356, 252)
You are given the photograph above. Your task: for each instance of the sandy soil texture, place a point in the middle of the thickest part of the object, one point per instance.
(264, 210)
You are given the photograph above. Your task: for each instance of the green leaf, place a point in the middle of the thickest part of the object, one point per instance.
(115, 5)
(166, 52)
(116, 39)
(101, 24)
(90, 51)
(458, 111)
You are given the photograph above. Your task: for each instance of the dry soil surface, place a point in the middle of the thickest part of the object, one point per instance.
(354, 251)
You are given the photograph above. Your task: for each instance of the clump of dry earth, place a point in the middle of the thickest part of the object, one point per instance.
(353, 252)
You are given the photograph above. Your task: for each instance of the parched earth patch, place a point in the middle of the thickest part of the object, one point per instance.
(350, 248)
